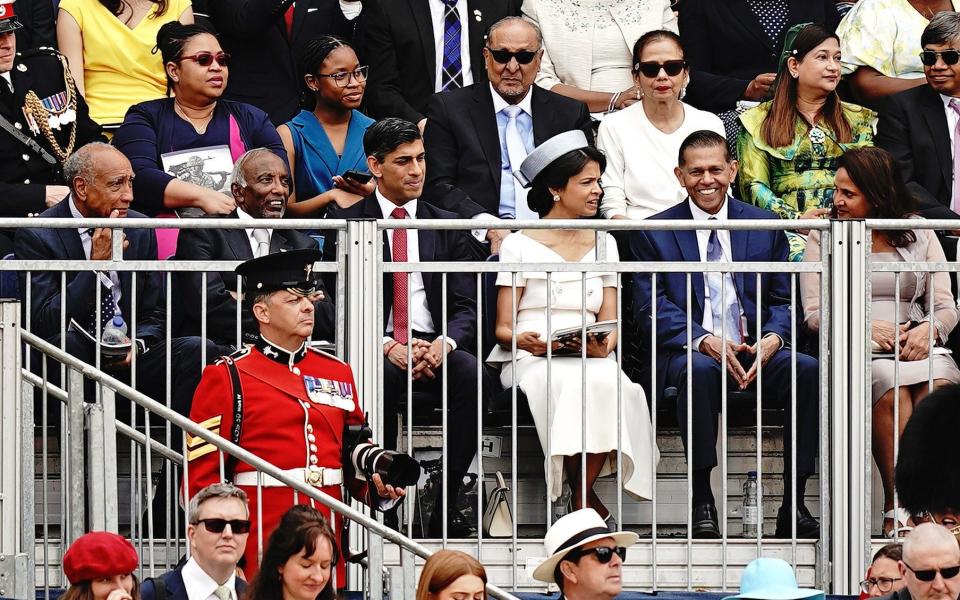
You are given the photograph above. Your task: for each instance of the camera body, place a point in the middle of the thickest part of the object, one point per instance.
(365, 458)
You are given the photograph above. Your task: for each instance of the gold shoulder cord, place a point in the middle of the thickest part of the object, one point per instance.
(41, 115)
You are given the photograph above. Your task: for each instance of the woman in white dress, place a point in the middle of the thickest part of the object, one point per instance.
(565, 174)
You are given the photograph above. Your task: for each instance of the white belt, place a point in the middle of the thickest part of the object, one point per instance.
(315, 476)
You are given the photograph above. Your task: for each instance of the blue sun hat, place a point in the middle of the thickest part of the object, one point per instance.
(772, 579)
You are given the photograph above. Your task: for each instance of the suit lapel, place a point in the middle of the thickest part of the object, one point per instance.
(421, 15)
(936, 120)
(426, 244)
(539, 104)
(299, 16)
(485, 123)
(738, 243)
(742, 13)
(690, 250)
(477, 36)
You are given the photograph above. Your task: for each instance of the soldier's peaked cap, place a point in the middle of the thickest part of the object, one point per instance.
(281, 270)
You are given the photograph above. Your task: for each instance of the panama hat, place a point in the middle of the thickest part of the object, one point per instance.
(576, 529)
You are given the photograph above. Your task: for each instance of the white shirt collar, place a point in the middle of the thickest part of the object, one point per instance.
(199, 585)
(701, 215)
(386, 207)
(6, 76)
(242, 215)
(75, 212)
(499, 103)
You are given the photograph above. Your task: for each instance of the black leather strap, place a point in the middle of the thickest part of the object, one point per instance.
(26, 139)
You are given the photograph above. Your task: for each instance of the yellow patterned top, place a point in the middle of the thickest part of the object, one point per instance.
(884, 35)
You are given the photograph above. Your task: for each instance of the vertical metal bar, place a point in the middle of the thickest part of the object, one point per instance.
(689, 425)
(759, 388)
(620, 375)
(549, 448)
(444, 406)
(793, 421)
(513, 424)
(655, 391)
(724, 466)
(480, 361)
(76, 507)
(583, 389)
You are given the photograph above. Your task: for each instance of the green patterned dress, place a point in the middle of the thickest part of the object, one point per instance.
(793, 179)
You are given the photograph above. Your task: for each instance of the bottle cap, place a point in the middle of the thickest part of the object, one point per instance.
(117, 321)
(752, 474)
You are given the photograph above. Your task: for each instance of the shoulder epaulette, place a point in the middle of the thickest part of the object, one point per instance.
(244, 351)
(42, 51)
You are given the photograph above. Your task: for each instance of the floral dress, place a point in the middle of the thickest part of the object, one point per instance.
(791, 180)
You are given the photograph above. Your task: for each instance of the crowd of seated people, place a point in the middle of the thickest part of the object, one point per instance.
(441, 109)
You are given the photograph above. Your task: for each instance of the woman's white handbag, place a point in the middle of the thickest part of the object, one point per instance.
(497, 518)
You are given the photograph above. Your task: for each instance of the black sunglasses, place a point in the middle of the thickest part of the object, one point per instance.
(604, 554)
(652, 69)
(205, 59)
(524, 57)
(218, 525)
(928, 575)
(950, 57)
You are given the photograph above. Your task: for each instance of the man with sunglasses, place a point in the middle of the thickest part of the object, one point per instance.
(476, 137)
(219, 524)
(918, 126)
(930, 565)
(584, 558)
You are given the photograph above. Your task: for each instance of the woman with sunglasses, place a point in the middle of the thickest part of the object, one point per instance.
(326, 142)
(789, 146)
(641, 142)
(452, 575)
(299, 559)
(156, 133)
(109, 43)
(587, 46)
(908, 331)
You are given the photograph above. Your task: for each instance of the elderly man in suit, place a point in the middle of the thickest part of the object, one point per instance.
(723, 321)
(261, 188)
(418, 47)
(436, 342)
(219, 524)
(476, 137)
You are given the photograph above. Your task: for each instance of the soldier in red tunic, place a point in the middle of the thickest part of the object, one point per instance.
(285, 402)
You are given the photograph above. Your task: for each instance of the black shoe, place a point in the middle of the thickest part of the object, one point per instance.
(391, 520)
(807, 527)
(457, 525)
(705, 522)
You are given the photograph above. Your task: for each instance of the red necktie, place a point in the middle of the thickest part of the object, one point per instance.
(288, 19)
(400, 311)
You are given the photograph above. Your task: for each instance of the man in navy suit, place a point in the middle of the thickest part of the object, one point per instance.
(100, 179)
(219, 523)
(414, 328)
(723, 321)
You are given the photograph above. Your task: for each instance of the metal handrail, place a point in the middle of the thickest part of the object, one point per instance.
(234, 450)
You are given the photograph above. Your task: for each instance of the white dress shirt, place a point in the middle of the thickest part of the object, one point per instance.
(420, 319)
(200, 586)
(703, 237)
(254, 244)
(111, 282)
(436, 16)
(952, 117)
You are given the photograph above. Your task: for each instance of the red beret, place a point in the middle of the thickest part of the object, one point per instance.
(99, 554)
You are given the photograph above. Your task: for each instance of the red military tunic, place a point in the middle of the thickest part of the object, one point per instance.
(281, 424)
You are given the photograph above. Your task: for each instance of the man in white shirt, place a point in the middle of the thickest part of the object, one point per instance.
(724, 321)
(436, 341)
(219, 523)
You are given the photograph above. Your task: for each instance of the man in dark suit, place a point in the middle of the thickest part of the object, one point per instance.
(404, 41)
(469, 132)
(31, 177)
(723, 321)
(219, 524)
(101, 180)
(261, 187)
(917, 126)
(39, 28)
(415, 330)
(264, 37)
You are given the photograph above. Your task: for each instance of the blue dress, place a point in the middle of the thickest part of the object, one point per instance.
(317, 161)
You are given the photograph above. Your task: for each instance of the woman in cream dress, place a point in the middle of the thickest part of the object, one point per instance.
(565, 173)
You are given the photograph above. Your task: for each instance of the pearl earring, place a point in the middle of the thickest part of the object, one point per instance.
(556, 197)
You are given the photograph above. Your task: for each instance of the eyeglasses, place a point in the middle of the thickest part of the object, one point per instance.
(343, 77)
(604, 554)
(652, 69)
(524, 57)
(218, 525)
(928, 575)
(950, 57)
(205, 59)
(884, 584)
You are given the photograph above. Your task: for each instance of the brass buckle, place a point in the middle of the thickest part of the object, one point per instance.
(315, 477)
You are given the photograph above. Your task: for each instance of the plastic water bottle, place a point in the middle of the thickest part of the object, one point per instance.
(751, 510)
(115, 332)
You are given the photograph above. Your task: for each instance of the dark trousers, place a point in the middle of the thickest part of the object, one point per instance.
(777, 383)
(461, 433)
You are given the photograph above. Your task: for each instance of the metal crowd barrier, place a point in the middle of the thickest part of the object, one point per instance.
(91, 473)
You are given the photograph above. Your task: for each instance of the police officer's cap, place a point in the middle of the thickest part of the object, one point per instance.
(8, 20)
(293, 270)
(926, 481)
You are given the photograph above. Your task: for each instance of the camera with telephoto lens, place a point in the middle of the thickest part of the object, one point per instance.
(366, 458)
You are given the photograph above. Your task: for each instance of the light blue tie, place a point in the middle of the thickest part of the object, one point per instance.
(730, 312)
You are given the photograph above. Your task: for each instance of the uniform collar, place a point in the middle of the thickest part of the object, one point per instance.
(278, 354)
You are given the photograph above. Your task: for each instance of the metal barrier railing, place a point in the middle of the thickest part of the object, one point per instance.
(835, 562)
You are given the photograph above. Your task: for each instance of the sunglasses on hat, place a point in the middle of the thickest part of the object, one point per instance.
(524, 57)
(651, 69)
(928, 575)
(949, 57)
(218, 525)
(604, 554)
